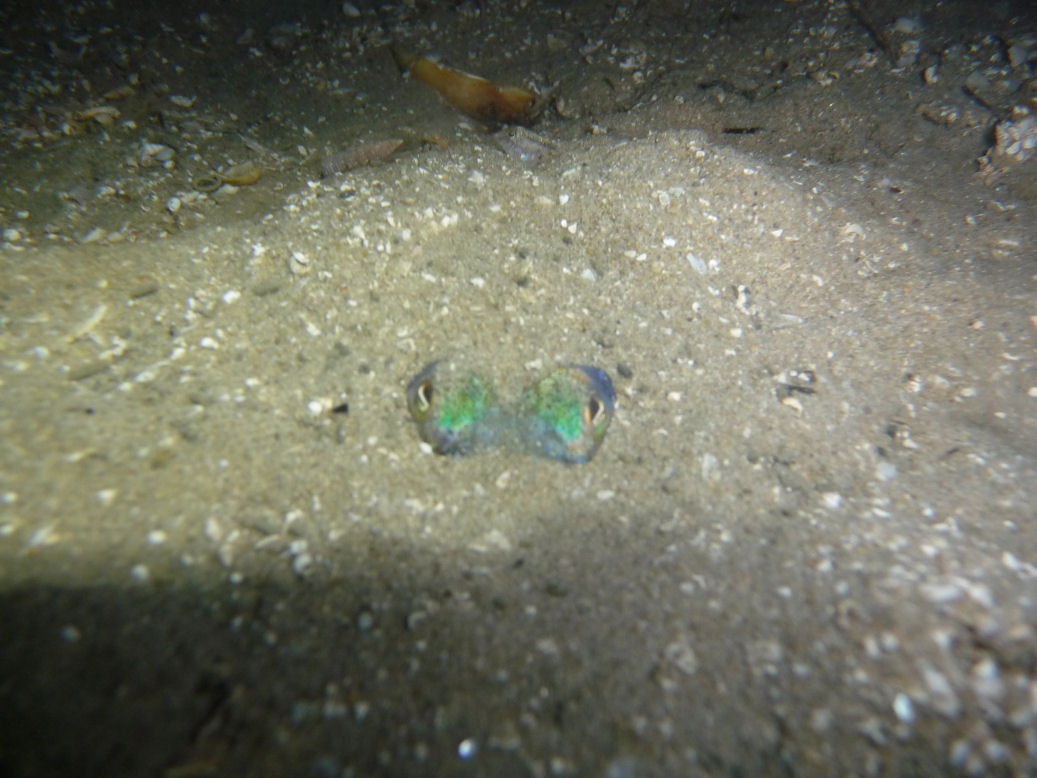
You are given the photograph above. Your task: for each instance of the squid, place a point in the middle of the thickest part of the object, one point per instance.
(562, 416)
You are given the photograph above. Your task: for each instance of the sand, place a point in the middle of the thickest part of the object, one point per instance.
(807, 545)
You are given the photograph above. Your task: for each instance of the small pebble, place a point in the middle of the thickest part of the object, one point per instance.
(107, 496)
(906, 25)
(710, 465)
(942, 696)
(697, 264)
(903, 707)
(213, 531)
(44, 536)
(301, 564)
(92, 236)
(682, 656)
(1018, 55)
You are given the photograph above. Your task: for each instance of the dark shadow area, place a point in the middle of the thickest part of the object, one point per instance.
(423, 666)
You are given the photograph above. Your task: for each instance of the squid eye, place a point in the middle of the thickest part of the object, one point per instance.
(424, 395)
(593, 411)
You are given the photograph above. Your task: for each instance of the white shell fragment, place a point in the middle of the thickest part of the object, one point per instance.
(904, 708)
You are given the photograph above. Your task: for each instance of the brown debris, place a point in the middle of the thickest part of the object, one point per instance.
(487, 102)
(358, 155)
(242, 174)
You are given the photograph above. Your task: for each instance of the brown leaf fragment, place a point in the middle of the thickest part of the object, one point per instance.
(483, 100)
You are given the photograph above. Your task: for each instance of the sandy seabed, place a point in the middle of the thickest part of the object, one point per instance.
(797, 235)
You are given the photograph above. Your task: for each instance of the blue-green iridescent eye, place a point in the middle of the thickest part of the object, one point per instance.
(456, 413)
(567, 412)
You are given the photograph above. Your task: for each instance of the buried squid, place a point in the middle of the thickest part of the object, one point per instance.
(562, 416)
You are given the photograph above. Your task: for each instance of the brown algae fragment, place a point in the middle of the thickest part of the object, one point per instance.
(483, 100)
